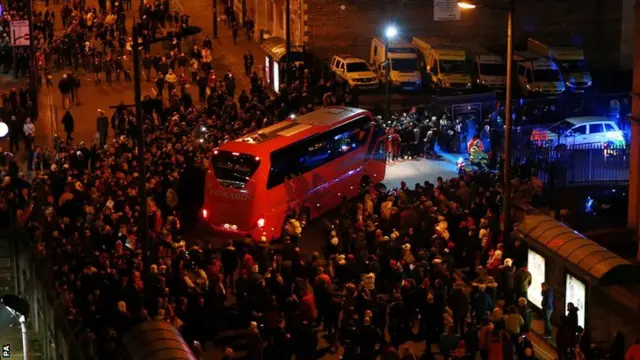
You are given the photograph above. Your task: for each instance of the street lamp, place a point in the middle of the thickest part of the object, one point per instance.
(466, 5)
(390, 33)
(506, 168)
(19, 308)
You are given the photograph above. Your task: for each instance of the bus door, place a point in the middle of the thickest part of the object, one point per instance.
(378, 133)
(376, 160)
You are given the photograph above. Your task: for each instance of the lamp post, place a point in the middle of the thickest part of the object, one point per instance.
(20, 309)
(506, 167)
(287, 65)
(215, 18)
(390, 33)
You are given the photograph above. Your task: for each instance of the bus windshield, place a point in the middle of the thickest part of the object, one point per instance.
(234, 169)
(546, 75)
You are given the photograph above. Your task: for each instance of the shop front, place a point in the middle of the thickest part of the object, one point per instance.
(275, 61)
(581, 272)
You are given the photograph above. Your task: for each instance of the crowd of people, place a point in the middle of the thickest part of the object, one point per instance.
(392, 269)
(80, 203)
(426, 264)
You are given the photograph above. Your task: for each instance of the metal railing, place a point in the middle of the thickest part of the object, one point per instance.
(588, 164)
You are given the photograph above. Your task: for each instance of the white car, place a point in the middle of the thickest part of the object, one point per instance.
(353, 71)
(580, 131)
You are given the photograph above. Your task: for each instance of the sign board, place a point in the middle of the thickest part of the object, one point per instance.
(19, 30)
(472, 111)
(446, 10)
(537, 267)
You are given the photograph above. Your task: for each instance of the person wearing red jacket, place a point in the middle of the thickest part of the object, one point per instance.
(634, 351)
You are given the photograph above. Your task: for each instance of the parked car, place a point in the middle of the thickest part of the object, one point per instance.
(580, 131)
(353, 71)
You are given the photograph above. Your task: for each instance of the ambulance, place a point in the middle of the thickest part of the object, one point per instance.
(489, 71)
(571, 61)
(538, 76)
(443, 63)
(405, 73)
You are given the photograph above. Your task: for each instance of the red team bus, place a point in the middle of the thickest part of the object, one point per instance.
(300, 167)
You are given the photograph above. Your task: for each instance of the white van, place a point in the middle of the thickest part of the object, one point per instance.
(405, 73)
(445, 63)
(538, 75)
(489, 71)
(580, 131)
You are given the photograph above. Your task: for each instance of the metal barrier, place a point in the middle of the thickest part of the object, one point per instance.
(589, 164)
(526, 110)
(50, 319)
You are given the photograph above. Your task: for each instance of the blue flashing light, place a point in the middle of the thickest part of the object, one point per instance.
(589, 205)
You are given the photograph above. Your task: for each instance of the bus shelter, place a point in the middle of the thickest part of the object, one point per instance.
(156, 340)
(579, 271)
(276, 58)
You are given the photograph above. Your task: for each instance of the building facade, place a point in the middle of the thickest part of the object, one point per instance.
(604, 28)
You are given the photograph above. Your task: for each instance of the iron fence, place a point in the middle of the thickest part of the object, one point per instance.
(588, 164)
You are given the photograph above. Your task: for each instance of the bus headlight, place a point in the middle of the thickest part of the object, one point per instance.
(260, 223)
(205, 213)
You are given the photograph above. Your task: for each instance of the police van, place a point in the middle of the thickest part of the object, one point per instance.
(572, 64)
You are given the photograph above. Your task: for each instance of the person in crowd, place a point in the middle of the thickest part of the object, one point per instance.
(248, 62)
(69, 125)
(102, 128)
(547, 308)
(617, 347)
(634, 351)
(572, 316)
(522, 282)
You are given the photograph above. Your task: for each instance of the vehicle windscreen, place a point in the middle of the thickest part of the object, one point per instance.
(493, 69)
(357, 67)
(404, 65)
(546, 75)
(574, 66)
(233, 169)
(561, 127)
(453, 67)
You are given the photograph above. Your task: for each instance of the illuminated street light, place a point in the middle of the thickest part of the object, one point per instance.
(466, 5)
(391, 32)
(20, 309)
(4, 130)
(506, 190)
